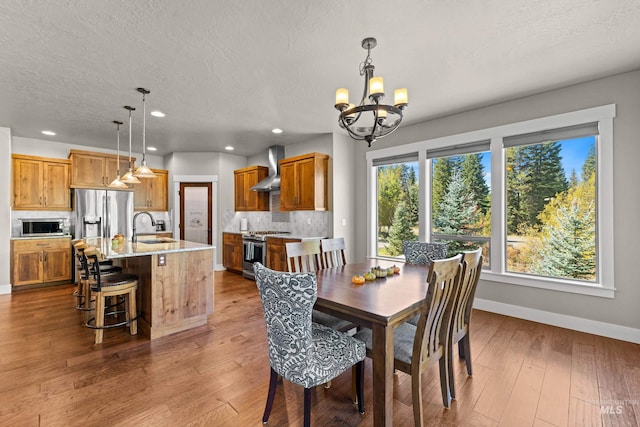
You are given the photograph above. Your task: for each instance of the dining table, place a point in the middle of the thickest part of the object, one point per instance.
(381, 305)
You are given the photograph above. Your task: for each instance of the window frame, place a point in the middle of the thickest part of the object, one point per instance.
(603, 115)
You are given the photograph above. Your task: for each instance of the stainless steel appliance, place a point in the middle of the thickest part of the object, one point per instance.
(254, 245)
(34, 227)
(103, 213)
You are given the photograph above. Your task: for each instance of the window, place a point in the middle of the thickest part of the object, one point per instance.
(551, 203)
(461, 197)
(397, 204)
(537, 196)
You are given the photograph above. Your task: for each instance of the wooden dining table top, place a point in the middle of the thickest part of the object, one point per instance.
(384, 300)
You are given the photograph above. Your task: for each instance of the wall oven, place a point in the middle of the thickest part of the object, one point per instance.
(254, 250)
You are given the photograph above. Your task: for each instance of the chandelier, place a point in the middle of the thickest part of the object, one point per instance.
(373, 120)
(144, 171)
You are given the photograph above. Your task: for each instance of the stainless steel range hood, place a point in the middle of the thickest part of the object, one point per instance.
(272, 182)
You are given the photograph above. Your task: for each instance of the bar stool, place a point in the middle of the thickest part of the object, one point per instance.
(117, 285)
(83, 290)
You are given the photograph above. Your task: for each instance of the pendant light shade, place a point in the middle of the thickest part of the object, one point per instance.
(117, 183)
(128, 177)
(144, 171)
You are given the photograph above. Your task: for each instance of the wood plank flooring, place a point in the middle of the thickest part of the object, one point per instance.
(525, 373)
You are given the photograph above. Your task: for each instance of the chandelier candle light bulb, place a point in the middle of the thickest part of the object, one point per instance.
(368, 121)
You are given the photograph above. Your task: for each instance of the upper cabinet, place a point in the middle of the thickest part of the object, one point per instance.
(95, 170)
(152, 193)
(40, 183)
(303, 183)
(245, 199)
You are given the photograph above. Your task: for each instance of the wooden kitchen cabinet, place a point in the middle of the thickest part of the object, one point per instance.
(95, 170)
(232, 251)
(152, 194)
(40, 183)
(303, 183)
(277, 253)
(245, 199)
(36, 261)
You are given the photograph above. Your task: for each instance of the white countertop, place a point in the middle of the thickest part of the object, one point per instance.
(129, 249)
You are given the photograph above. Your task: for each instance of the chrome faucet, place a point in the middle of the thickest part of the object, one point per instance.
(134, 239)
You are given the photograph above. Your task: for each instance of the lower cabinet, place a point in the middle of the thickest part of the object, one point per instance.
(36, 261)
(232, 251)
(277, 253)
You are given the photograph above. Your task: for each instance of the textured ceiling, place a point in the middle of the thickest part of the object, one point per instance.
(227, 72)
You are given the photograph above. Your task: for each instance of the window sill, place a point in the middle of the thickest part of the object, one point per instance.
(550, 284)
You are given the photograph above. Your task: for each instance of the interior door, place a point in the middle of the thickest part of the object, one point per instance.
(195, 212)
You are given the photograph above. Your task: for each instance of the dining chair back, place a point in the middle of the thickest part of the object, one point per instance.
(417, 347)
(303, 257)
(422, 253)
(471, 268)
(301, 351)
(333, 252)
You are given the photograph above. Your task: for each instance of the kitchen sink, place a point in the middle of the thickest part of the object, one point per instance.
(156, 241)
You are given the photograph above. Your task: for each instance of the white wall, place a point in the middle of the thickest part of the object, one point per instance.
(5, 210)
(344, 212)
(622, 90)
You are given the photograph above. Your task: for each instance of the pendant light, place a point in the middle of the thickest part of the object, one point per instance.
(128, 177)
(117, 183)
(144, 171)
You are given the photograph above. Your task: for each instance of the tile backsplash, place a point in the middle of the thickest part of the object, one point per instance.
(300, 223)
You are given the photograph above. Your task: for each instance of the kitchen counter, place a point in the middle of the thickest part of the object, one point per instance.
(175, 282)
(43, 236)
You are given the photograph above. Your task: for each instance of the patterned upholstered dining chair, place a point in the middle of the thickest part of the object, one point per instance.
(303, 352)
(418, 347)
(422, 253)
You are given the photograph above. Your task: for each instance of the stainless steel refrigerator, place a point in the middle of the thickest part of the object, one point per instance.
(103, 213)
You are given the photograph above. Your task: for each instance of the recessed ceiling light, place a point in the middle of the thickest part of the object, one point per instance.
(152, 148)
(228, 148)
(48, 132)
(276, 130)
(157, 113)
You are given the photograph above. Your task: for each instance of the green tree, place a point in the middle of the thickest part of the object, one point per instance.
(413, 197)
(401, 229)
(568, 249)
(442, 169)
(473, 177)
(458, 214)
(589, 166)
(573, 179)
(390, 192)
(534, 176)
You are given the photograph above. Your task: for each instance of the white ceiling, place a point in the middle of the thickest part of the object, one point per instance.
(227, 72)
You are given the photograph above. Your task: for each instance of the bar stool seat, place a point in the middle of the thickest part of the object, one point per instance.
(83, 290)
(107, 286)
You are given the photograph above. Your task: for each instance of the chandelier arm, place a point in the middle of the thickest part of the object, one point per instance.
(352, 134)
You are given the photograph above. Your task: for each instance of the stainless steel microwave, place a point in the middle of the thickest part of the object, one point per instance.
(31, 227)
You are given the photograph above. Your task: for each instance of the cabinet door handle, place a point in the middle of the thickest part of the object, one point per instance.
(41, 257)
(45, 200)
(45, 257)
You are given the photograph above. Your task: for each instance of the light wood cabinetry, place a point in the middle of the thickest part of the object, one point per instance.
(277, 253)
(95, 170)
(152, 194)
(232, 251)
(40, 183)
(245, 199)
(36, 261)
(303, 183)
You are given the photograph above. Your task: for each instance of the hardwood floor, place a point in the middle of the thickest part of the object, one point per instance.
(525, 373)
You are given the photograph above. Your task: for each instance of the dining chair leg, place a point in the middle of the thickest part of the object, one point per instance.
(359, 381)
(461, 349)
(273, 383)
(467, 352)
(307, 407)
(416, 396)
(444, 381)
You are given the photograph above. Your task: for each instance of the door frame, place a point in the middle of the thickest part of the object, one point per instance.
(215, 215)
(209, 187)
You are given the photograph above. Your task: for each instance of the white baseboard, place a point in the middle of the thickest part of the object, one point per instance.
(5, 289)
(609, 330)
(219, 267)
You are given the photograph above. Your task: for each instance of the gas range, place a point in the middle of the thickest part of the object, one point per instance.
(260, 236)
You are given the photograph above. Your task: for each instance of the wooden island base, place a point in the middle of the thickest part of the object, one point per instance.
(172, 297)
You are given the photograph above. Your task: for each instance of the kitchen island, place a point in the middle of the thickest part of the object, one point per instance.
(175, 281)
